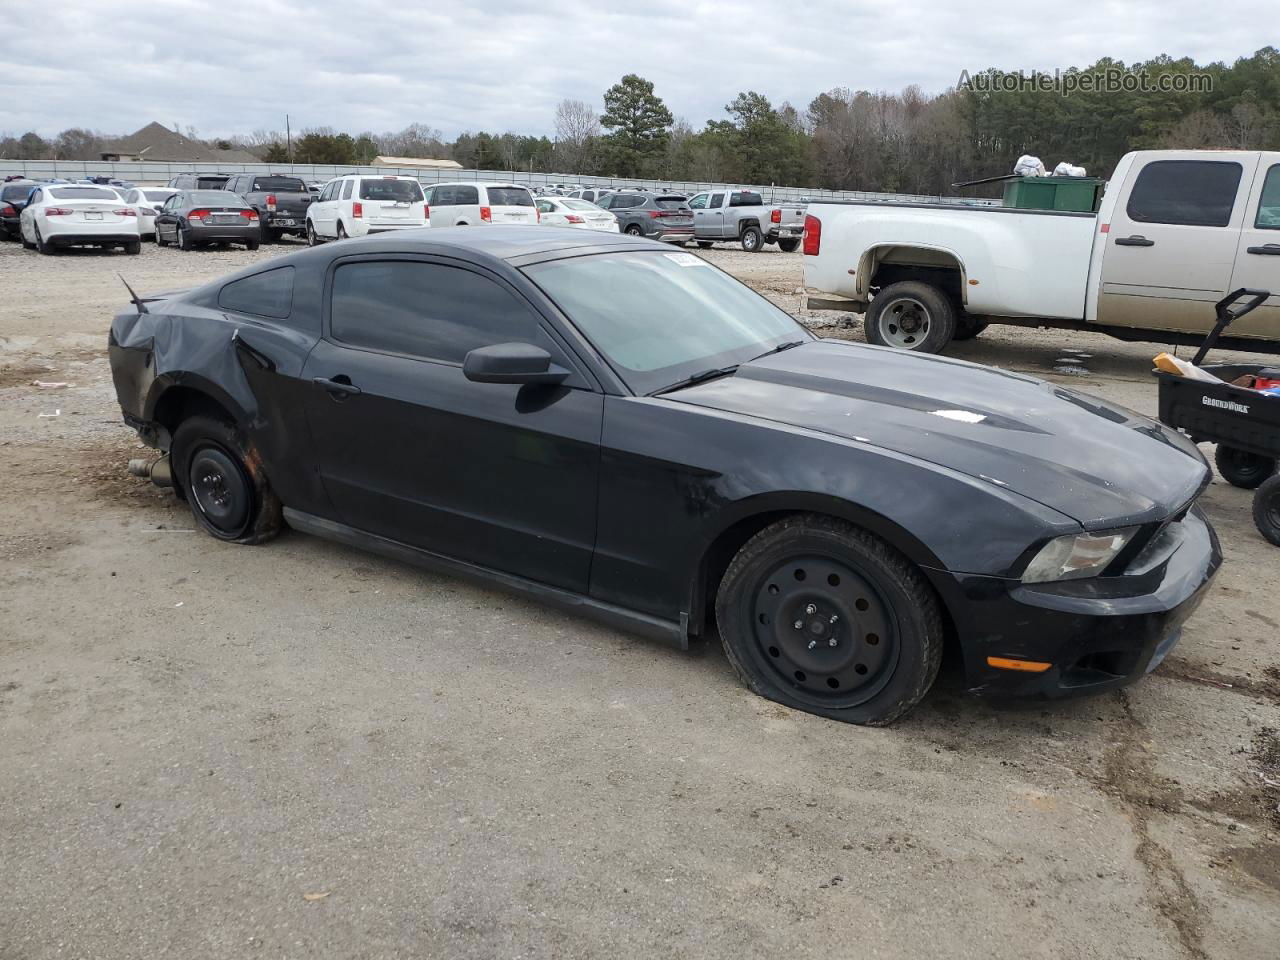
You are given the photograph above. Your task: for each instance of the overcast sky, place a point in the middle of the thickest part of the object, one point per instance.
(239, 65)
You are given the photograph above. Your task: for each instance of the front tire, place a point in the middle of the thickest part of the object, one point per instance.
(789, 246)
(820, 615)
(1266, 509)
(1242, 469)
(752, 240)
(229, 499)
(911, 315)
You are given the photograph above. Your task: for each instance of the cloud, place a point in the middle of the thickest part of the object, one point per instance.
(236, 66)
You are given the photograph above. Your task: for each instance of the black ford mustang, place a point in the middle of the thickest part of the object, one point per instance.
(626, 430)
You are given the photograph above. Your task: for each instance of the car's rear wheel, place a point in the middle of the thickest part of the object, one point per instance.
(1266, 509)
(752, 239)
(342, 231)
(789, 246)
(184, 239)
(821, 615)
(42, 244)
(634, 230)
(230, 500)
(704, 244)
(313, 240)
(133, 247)
(1241, 468)
(26, 244)
(911, 315)
(251, 244)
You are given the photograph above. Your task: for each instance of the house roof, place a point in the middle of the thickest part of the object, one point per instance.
(157, 142)
(417, 162)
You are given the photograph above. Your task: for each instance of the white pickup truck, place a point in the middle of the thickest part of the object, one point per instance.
(1176, 230)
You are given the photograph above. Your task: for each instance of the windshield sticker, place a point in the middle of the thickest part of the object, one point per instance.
(686, 259)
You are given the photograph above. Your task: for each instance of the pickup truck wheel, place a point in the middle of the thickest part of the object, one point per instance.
(1266, 510)
(789, 246)
(821, 615)
(967, 327)
(1242, 469)
(752, 240)
(229, 499)
(911, 315)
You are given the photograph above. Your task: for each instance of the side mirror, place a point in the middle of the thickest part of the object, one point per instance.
(511, 363)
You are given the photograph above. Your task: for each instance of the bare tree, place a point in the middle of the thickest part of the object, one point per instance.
(577, 126)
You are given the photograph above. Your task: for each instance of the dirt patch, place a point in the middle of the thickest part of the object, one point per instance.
(22, 375)
(1266, 686)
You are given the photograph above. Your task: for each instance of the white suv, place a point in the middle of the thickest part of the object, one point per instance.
(472, 204)
(356, 206)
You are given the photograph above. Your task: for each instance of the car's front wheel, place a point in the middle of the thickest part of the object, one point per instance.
(911, 315)
(229, 499)
(821, 615)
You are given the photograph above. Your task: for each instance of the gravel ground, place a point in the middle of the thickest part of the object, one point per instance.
(300, 750)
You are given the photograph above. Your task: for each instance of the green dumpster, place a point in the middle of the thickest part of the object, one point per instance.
(1079, 194)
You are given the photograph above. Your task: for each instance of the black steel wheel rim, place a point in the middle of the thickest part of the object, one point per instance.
(220, 489)
(824, 631)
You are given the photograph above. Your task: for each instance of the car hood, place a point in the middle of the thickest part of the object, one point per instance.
(1090, 460)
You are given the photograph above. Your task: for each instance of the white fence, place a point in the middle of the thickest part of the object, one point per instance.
(151, 172)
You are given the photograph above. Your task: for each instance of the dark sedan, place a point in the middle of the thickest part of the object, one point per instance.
(625, 430)
(658, 216)
(13, 198)
(197, 218)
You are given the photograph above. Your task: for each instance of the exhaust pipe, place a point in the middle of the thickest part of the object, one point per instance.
(157, 471)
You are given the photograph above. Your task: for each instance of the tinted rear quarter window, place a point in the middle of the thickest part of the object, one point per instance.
(1268, 217)
(267, 294)
(400, 191)
(509, 197)
(1197, 193)
(425, 310)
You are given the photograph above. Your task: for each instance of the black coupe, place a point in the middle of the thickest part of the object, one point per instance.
(625, 430)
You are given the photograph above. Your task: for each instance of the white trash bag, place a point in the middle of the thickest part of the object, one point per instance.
(1029, 166)
(1065, 169)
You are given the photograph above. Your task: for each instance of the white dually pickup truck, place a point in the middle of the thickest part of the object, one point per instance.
(1176, 230)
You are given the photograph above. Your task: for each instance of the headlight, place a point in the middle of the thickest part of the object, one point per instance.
(1076, 556)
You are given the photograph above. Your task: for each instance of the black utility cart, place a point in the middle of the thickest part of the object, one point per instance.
(1244, 423)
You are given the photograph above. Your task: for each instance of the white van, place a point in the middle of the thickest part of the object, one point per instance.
(471, 204)
(356, 206)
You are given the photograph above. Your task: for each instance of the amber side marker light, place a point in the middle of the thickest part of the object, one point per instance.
(1009, 663)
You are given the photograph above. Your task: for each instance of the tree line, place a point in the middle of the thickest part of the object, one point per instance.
(844, 139)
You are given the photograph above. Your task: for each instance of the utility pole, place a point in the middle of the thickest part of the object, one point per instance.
(288, 139)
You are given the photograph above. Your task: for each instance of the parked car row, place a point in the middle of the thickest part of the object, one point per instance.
(252, 208)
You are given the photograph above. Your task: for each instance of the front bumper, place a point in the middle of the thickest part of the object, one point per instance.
(1097, 634)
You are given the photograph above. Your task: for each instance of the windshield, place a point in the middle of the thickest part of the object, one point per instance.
(83, 193)
(666, 316)
(399, 191)
(278, 185)
(510, 197)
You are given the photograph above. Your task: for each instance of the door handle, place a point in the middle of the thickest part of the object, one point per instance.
(340, 387)
(1267, 250)
(1134, 242)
